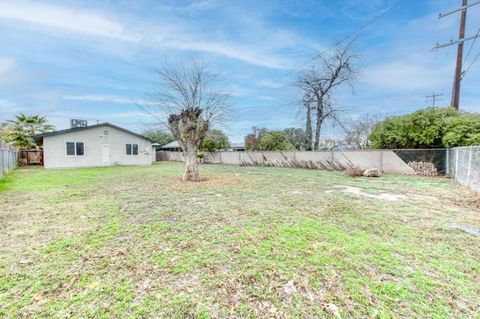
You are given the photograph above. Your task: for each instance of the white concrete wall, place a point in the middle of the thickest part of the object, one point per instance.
(385, 160)
(55, 154)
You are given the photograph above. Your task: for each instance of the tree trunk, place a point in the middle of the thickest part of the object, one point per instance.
(191, 166)
(318, 124)
(308, 127)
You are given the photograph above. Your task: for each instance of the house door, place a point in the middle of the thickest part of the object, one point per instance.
(105, 154)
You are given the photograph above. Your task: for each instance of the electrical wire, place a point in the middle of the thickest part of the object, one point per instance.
(354, 35)
(472, 45)
(470, 66)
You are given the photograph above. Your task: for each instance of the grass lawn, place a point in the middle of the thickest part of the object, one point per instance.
(135, 242)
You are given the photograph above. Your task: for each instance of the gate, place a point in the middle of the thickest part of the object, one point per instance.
(30, 157)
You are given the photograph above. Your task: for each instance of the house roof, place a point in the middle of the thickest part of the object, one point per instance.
(75, 129)
(237, 145)
(173, 144)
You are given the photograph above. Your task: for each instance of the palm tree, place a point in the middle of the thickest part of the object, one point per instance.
(25, 127)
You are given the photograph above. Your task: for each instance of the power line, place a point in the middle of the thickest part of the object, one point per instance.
(471, 46)
(457, 79)
(470, 66)
(345, 38)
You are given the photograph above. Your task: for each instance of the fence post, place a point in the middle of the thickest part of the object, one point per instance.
(447, 162)
(456, 162)
(381, 161)
(2, 163)
(469, 164)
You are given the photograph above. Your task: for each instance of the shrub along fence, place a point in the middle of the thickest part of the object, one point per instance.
(8, 158)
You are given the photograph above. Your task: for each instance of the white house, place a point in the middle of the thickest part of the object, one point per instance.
(102, 144)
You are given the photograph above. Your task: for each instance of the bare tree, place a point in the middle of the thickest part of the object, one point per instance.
(357, 131)
(307, 107)
(191, 99)
(319, 83)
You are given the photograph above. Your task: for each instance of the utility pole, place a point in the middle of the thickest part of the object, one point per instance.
(458, 68)
(434, 98)
(455, 103)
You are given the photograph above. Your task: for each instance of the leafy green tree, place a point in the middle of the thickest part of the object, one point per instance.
(22, 130)
(6, 130)
(252, 140)
(463, 130)
(159, 136)
(427, 128)
(275, 141)
(391, 133)
(298, 138)
(215, 140)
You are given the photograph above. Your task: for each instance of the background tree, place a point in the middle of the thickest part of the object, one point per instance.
(190, 94)
(358, 131)
(159, 136)
(23, 128)
(320, 82)
(6, 132)
(215, 140)
(252, 140)
(275, 141)
(427, 128)
(298, 138)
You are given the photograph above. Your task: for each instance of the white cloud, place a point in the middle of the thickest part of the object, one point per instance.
(6, 65)
(245, 54)
(100, 98)
(9, 107)
(87, 22)
(158, 34)
(407, 74)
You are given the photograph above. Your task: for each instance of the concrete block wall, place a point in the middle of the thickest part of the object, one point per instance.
(385, 160)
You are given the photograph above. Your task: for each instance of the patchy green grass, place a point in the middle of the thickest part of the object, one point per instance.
(248, 242)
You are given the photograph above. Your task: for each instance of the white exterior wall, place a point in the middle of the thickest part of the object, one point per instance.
(100, 149)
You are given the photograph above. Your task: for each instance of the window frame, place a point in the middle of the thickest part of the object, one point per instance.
(83, 148)
(75, 145)
(66, 149)
(135, 148)
(128, 149)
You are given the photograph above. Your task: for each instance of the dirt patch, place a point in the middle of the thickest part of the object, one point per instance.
(381, 196)
(205, 182)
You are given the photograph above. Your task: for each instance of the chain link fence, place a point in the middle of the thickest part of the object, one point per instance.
(8, 158)
(464, 166)
(425, 162)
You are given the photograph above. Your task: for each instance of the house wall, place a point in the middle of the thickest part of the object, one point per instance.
(55, 155)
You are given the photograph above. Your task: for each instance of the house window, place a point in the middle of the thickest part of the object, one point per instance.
(70, 148)
(75, 148)
(132, 149)
(80, 147)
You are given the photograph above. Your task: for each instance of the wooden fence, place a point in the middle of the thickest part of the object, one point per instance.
(8, 158)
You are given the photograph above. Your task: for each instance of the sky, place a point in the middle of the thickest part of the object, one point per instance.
(96, 60)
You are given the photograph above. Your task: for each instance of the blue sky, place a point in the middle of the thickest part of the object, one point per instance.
(94, 59)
